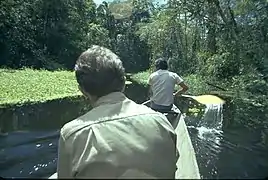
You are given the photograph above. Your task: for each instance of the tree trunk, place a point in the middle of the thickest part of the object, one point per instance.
(211, 35)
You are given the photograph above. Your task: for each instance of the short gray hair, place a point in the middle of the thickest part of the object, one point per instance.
(99, 71)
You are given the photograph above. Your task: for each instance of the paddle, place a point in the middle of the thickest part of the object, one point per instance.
(206, 99)
(202, 99)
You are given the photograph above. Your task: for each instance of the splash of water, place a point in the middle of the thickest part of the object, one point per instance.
(211, 123)
(213, 116)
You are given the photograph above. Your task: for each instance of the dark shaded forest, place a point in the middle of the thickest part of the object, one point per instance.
(222, 42)
(213, 38)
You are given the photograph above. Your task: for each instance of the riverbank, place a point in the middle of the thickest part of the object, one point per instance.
(38, 100)
(28, 86)
(28, 90)
(41, 99)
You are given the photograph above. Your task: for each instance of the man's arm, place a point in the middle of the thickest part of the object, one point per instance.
(150, 93)
(64, 163)
(181, 83)
(183, 89)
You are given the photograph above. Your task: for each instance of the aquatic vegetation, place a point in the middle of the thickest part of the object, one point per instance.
(141, 77)
(18, 87)
(28, 85)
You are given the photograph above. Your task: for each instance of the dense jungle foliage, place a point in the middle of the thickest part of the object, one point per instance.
(224, 43)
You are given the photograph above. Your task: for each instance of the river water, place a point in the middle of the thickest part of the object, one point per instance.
(232, 153)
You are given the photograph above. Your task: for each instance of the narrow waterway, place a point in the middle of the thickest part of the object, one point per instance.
(232, 153)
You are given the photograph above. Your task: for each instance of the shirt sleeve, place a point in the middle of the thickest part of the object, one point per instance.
(64, 163)
(149, 81)
(178, 78)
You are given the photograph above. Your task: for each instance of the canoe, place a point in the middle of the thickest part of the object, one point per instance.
(187, 167)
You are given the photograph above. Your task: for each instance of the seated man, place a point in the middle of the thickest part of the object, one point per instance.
(117, 138)
(162, 84)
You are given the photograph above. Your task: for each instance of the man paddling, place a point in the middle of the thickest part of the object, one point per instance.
(162, 84)
(117, 138)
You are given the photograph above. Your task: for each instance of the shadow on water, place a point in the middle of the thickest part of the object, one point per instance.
(232, 153)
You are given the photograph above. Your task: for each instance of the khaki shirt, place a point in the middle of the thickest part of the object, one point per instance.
(118, 139)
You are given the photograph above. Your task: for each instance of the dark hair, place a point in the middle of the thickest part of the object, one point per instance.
(99, 71)
(161, 63)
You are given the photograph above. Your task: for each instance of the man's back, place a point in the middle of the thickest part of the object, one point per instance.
(119, 138)
(162, 85)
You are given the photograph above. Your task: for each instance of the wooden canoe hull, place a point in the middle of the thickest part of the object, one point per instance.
(186, 164)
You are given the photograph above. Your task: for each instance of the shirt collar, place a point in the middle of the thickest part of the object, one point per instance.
(162, 70)
(111, 98)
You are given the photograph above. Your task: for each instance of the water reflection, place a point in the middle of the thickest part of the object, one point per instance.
(28, 154)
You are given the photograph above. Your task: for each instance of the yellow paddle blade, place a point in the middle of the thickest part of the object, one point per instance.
(208, 99)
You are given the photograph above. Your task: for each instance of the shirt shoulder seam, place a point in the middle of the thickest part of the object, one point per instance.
(68, 135)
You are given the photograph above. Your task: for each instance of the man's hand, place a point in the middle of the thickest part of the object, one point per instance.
(177, 94)
(183, 90)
